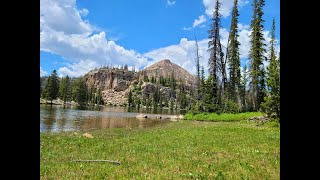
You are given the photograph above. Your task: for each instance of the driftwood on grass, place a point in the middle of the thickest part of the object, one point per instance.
(110, 161)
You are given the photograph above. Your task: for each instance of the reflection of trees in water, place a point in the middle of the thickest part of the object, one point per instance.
(156, 111)
(49, 116)
(57, 118)
(92, 122)
(99, 122)
(61, 119)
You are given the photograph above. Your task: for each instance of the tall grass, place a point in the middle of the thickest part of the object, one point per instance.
(221, 117)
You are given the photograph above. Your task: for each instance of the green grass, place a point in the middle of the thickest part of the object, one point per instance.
(221, 117)
(178, 150)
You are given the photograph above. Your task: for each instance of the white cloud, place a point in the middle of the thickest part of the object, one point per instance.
(78, 69)
(243, 26)
(202, 26)
(63, 16)
(183, 53)
(84, 12)
(77, 47)
(225, 8)
(186, 28)
(244, 40)
(199, 21)
(43, 72)
(171, 3)
(65, 33)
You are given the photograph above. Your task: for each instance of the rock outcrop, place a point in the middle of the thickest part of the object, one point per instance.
(115, 83)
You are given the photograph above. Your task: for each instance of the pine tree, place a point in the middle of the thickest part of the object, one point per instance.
(80, 91)
(256, 54)
(209, 100)
(153, 79)
(160, 99)
(40, 87)
(166, 103)
(130, 99)
(99, 99)
(272, 101)
(154, 100)
(52, 87)
(202, 84)
(64, 89)
(197, 68)
(244, 82)
(262, 84)
(216, 62)
(233, 57)
(173, 81)
(149, 100)
(171, 104)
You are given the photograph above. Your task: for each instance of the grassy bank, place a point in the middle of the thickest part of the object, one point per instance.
(179, 150)
(221, 117)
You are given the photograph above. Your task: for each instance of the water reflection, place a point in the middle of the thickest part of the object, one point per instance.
(58, 118)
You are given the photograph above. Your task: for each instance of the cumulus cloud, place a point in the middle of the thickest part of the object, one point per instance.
(77, 47)
(171, 3)
(63, 16)
(244, 39)
(43, 72)
(243, 26)
(182, 54)
(201, 19)
(77, 69)
(64, 32)
(225, 8)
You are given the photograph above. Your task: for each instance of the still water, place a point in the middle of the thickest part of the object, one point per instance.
(56, 118)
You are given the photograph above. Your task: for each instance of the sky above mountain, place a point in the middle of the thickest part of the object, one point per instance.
(79, 35)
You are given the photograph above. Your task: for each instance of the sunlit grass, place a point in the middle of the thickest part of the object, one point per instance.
(178, 150)
(221, 117)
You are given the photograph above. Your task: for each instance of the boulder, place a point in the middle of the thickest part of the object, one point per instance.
(142, 116)
(87, 135)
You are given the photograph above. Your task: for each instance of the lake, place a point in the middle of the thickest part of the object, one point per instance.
(56, 118)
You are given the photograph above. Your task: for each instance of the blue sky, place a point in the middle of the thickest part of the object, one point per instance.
(79, 35)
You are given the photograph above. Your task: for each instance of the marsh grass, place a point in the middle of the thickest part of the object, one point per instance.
(178, 150)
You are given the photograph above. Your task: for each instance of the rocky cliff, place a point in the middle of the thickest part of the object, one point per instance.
(116, 83)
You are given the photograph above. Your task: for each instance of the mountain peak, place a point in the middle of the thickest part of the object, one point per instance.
(166, 61)
(165, 68)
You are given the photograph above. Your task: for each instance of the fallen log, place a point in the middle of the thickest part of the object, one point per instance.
(110, 161)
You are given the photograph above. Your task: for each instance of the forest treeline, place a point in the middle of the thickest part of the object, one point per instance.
(69, 89)
(255, 88)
